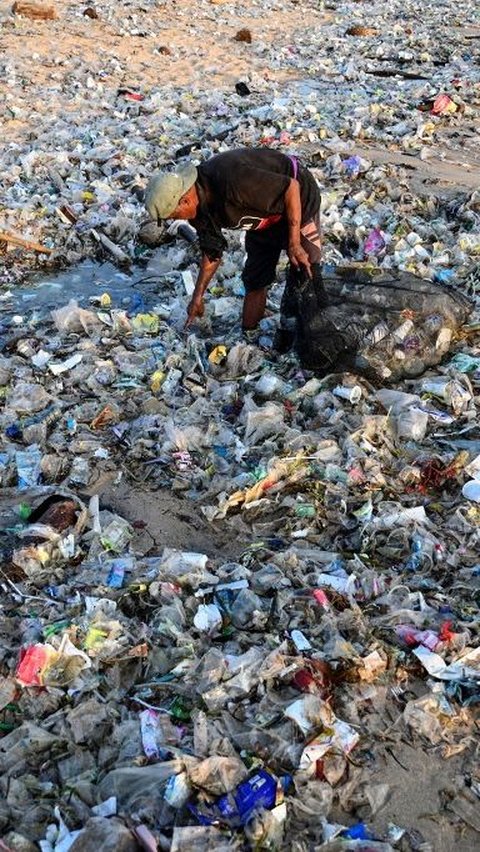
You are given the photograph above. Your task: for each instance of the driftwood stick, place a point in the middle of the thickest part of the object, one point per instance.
(36, 11)
(21, 241)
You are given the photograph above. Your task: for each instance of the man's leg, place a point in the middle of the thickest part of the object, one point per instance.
(263, 251)
(311, 239)
(253, 308)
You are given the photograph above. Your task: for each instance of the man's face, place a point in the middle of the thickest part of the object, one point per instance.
(187, 206)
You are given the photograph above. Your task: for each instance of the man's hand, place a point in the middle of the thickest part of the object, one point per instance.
(196, 307)
(299, 257)
(195, 310)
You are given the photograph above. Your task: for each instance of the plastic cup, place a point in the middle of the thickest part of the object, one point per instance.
(353, 393)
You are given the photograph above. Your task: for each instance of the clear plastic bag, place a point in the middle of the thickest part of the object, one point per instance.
(28, 466)
(26, 398)
(218, 775)
(71, 318)
(139, 787)
(262, 422)
(242, 359)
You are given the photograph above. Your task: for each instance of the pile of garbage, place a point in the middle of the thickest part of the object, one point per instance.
(159, 698)
(72, 180)
(295, 687)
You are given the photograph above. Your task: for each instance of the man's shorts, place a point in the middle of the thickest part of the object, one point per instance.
(264, 247)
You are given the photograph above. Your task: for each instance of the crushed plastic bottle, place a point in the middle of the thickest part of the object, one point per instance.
(235, 809)
(29, 466)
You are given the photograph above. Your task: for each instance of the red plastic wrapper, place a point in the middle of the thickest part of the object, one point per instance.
(443, 104)
(130, 95)
(413, 637)
(315, 678)
(321, 598)
(34, 663)
(446, 632)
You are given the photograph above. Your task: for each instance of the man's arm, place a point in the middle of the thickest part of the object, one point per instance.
(293, 208)
(208, 269)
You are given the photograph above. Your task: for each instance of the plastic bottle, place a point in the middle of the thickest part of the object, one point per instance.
(414, 561)
(116, 575)
(439, 553)
(421, 554)
(352, 393)
(185, 230)
(236, 808)
(449, 391)
(152, 735)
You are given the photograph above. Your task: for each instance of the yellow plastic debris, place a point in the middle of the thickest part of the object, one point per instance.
(218, 354)
(156, 380)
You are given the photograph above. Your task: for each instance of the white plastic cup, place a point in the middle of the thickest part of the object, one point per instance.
(437, 386)
(352, 393)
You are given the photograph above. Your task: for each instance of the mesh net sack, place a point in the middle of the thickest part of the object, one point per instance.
(386, 326)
